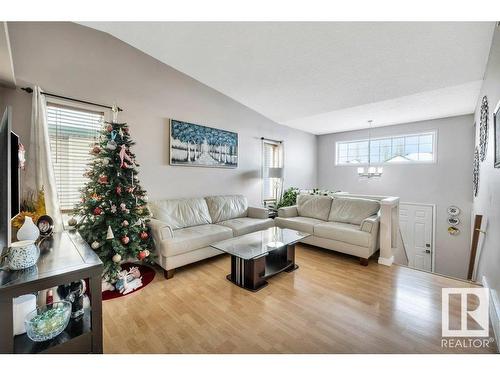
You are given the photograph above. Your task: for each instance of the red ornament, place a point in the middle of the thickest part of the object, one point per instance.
(96, 149)
(103, 179)
(130, 189)
(141, 255)
(125, 240)
(97, 211)
(144, 236)
(119, 190)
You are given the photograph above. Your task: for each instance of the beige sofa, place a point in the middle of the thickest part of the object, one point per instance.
(184, 229)
(345, 224)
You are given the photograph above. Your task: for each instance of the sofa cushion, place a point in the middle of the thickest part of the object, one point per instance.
(343, 232)
(315, 206)
(244, 225)
(193, 238)
(300, 223)
(226, 207)
(181, 213)
(352, 210)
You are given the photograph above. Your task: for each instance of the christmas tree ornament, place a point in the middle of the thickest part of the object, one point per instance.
(109, 234)
(116, 258)
(123, 206)
(105, 161)
(118, 190)
(114, 111)
(130, 189)
(147, 253)
(97, 211)
(113, 209)
(121, 133)
(141, 255)
(109, 128)
(145, 198)
(72, 222)
(111, 145)
(96, 150)
(144, 236)
(124, 157)
(125, 240)
(125, 223)
(103, 180)
(95, 245)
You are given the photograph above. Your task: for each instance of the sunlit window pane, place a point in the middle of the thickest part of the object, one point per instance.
(396, 149)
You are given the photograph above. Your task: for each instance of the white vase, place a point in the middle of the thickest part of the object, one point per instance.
(29, 231)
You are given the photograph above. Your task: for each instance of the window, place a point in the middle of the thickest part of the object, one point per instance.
(414, 148)
(72, 132)
(270, 158)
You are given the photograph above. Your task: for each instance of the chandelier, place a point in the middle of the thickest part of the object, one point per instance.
(370, 171)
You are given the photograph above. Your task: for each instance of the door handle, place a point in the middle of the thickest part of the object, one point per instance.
(427, 251)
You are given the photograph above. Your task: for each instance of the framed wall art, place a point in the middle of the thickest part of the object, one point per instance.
(496, 127)
(195, 145)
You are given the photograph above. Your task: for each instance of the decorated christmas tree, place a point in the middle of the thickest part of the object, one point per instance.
(113, 212)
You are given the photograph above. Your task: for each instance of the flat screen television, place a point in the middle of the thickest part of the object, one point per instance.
(9, 177)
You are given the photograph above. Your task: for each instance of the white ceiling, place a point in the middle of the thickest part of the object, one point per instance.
(326, 77)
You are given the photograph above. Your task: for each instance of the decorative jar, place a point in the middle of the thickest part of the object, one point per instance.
(22, 254)
(28, 231)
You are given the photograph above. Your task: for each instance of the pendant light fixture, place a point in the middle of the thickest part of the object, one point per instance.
(370, 171)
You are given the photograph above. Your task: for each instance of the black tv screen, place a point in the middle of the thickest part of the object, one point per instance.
(14, 175)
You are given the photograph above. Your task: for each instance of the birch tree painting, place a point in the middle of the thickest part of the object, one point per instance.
(201, 146)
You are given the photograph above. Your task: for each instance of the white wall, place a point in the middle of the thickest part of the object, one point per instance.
(76, 61)
(445, 183)
(487, 202)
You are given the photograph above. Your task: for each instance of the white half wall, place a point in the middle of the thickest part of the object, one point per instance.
(76, 61)
(444, 183)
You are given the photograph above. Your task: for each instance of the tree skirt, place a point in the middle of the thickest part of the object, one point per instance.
(147, 273)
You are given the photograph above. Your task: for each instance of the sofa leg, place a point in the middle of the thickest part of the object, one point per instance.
(363, 261)
(168, 274)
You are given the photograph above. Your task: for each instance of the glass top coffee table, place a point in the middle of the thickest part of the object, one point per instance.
(257, 256)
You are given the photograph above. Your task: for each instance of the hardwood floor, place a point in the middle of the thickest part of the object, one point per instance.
(331, 304)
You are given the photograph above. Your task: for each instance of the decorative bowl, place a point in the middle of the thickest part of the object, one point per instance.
(22, 254)
(48, 321)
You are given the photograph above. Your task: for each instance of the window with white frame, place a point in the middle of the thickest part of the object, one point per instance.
(72, 132)
(271, 155)
(410, 148)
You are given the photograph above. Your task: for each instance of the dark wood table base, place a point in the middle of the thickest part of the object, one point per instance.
(252, 274)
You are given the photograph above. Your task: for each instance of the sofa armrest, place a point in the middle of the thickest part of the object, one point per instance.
(290, 211)
(370, 223)
(161, 231)
(258, 212)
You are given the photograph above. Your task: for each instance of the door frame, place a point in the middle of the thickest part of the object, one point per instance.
(433, 206)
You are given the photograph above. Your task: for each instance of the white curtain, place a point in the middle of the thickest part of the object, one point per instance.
(40, 170)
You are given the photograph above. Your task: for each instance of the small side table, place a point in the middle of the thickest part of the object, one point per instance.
(64, 257)
(273, 213)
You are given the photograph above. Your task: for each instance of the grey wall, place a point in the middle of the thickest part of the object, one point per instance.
(445, 183)
(487, 202)
(76, 61)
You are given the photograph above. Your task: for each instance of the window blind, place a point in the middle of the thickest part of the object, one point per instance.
(72, 131)
(270, 158)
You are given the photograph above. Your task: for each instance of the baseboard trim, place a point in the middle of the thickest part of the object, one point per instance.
(386, 261)
(494, 312)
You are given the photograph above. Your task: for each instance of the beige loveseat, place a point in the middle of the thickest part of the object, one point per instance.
(184, 229)
(340, 223)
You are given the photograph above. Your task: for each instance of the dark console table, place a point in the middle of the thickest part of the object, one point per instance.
(64, 257)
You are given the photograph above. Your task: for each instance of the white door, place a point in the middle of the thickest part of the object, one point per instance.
(416, 228)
